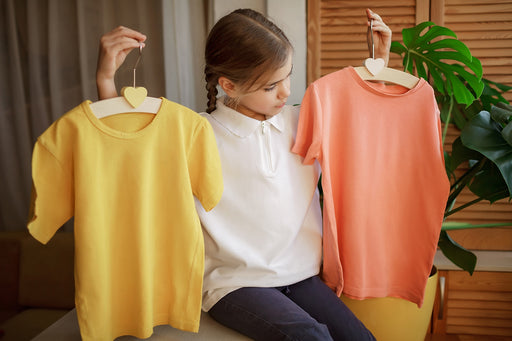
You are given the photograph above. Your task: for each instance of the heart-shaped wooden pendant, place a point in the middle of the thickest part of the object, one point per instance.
(374, 66)
(134, 96)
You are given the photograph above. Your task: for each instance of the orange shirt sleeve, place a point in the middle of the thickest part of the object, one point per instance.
(309, 132)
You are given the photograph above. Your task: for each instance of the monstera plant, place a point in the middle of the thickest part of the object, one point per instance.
(481, 157)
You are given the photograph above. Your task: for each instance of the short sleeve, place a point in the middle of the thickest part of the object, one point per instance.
(204, 167)
(52, 194)
(309, 131)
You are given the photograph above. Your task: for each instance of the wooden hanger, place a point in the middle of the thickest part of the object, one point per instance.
(132, 99)
(388, 75)
(374, 69)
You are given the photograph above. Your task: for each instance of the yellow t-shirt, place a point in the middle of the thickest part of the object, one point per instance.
(129, 180)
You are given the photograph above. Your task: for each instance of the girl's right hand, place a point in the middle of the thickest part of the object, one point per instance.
(114, 47)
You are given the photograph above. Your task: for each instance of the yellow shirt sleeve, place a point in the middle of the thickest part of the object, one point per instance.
(52, 194)
(205, 168)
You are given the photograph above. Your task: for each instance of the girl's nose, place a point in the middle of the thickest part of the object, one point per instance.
(284, 89)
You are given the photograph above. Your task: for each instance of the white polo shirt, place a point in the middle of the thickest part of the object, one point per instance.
(266, 230)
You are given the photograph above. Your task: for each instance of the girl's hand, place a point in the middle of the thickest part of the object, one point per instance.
(114, 47)
(381, 36)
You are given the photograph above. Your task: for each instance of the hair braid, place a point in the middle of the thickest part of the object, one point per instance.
(211, 88)
(212, 97)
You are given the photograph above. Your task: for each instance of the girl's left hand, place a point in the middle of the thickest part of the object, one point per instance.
(381, 36)
(114, 47)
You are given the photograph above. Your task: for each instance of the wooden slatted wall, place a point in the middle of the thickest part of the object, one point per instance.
(485, 26)
(337, 31)
(337, 38)
(477, 307)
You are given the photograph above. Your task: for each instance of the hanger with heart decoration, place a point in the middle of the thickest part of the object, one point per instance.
(374, 65)
(135, 95)
(375, 69)
(133, 99)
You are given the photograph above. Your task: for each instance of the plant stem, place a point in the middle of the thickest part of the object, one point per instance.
(462, 182)
(448, 119)
(470, 173)
(406, 64)
(461, 207)
(473, 226)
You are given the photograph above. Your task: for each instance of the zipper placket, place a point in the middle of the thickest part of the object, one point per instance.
(268, 150)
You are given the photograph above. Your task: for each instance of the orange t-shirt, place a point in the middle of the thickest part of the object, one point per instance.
(384, 182)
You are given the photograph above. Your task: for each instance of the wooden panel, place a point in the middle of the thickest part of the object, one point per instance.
(486, 27)
(437, 12)
(479, 338)
(476, 305)
(481, 313)
(478, 330)
(488, 296)
(491, 30)
(337, 31)
(488, 7)
(484, 239)
(478, 2)
(479, 305)
(313, 41)
(422, 11)
(480, 281)
(342, 27)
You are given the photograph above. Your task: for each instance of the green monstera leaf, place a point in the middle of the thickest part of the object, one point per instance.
(460, 114)
(461, 257)
(485, 143)
(435, 50)
(493, 95)
(490, 135)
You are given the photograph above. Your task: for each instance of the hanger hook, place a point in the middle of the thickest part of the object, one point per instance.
(371, 36)
(137, 63)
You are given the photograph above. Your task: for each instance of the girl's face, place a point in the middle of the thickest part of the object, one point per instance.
(268, 100)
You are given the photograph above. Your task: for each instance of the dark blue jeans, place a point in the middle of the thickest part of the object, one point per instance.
(307, 310)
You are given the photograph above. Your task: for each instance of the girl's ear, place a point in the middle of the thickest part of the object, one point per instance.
(228, 86)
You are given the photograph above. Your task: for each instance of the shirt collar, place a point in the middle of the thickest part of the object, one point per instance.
(239, 124)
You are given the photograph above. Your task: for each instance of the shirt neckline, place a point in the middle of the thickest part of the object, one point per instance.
(382, 89)
(239, 124)
(122, 134)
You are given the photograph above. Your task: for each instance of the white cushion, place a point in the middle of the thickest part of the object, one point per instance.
(66, 329)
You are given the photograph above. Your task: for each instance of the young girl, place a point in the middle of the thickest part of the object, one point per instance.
(263, 240)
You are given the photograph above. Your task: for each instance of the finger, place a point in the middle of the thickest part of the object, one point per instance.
(123, 44)
(381, 27)
(371, 15)
(119, 39)
(122, 31)
(118, 45)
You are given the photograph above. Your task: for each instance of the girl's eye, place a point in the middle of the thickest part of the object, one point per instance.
(270, 88)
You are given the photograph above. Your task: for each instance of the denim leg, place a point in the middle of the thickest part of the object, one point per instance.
(267, 314)
(326, 307)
